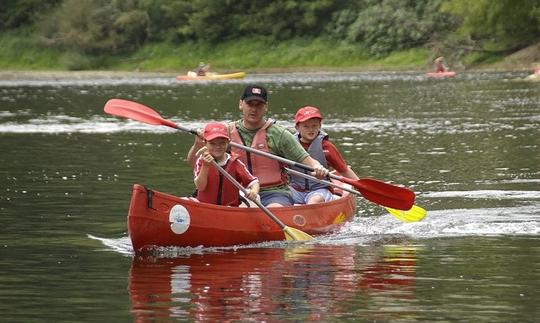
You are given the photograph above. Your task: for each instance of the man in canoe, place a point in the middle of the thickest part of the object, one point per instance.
(440, 66)
(308, 122)
(202, 69)
(255, 131)
(210, 184)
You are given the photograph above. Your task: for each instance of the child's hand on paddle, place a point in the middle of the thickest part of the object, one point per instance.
(206, 157)
(251, 194)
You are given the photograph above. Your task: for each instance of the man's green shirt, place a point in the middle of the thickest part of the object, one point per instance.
(280, 141)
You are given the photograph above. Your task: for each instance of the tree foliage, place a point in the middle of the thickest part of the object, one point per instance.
(388, 25)
(381, 26)
(96, 26)
(18, 13)
(510, 23)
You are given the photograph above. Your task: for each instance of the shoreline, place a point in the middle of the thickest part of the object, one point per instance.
(14, 75)
(58, 75)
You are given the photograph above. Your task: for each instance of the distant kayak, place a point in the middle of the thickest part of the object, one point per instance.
(440, 74)
(211, 76)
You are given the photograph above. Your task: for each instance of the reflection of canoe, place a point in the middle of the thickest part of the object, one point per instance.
(211, 76)
(271, 282)
(159, 219)
(441, 74)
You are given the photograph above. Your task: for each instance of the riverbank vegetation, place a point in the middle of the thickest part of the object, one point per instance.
(174, 35)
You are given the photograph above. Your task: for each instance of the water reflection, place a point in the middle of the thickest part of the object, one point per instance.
(308, 283)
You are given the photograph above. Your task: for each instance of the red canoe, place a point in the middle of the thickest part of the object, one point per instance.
(441, 74)
(157, 219)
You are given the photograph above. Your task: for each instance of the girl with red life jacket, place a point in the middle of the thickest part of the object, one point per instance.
(212, 186)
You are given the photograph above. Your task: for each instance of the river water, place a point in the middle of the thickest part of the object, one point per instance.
(469, 147)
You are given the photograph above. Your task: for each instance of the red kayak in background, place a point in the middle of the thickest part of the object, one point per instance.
(441, 74)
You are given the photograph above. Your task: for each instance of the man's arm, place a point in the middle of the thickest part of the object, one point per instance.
(320, 172)
(197, 144)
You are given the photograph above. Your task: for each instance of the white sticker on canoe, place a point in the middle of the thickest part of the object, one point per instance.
(179, 218)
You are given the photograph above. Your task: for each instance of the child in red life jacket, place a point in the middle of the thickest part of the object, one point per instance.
(212, 186)
(308, 121)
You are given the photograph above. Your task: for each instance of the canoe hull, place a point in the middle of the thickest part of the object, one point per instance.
(238, 75)
(441, 74)
(157, 219)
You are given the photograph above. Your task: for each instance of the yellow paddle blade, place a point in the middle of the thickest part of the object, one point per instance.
(293, 234)
(414, 214)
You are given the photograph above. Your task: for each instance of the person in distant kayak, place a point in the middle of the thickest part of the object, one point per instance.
(202, 69)
(440, 66)
(212, 186)
(535, 76)
(255, 131)
(308, 123)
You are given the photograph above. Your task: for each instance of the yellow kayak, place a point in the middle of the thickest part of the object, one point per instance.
(211, 76)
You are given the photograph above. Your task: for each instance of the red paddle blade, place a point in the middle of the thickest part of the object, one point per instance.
(382, 193)
(135, 111)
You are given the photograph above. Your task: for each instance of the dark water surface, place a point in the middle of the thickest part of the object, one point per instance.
(470, 148)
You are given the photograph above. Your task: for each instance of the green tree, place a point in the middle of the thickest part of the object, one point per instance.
(168, 19)
(96, 26)
(503, 24)
(22, 13)
(218, 20)
(388, 25)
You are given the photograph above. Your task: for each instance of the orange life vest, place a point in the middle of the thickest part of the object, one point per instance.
(268, 171)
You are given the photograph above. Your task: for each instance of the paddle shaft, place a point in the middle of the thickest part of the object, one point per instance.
(278, 158)
(313, 178)
(376, 191)
(241, 188)
(251, 150)
(255, 151)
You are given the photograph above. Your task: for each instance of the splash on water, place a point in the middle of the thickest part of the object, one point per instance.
(521, 220)
(121, 245)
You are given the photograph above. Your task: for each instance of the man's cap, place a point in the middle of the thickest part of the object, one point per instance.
(306, 113)
(215, 130)
(255, 93)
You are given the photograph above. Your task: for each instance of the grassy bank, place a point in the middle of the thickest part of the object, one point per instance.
(21, 52)
(18, 52)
